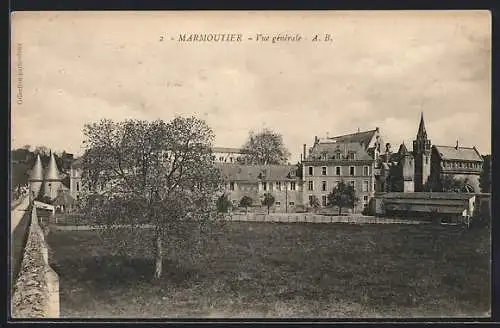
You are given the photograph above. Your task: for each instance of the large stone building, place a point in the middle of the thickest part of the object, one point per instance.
(282, 181)
(432, 165)
(350, 158)
(361, 159)
(228, 155)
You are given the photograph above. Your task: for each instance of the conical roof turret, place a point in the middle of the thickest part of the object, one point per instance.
(37, 170)
(52, 172)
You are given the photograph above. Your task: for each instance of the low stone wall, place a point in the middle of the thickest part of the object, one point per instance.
(37, 287)
(314, 218)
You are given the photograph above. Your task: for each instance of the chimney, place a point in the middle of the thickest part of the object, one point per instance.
(304, 151)
(301, 157)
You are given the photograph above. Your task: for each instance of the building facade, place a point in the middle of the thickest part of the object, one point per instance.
(349, 158)
(254, 181)
(360, 159)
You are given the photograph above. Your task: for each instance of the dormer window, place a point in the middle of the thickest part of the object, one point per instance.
(324, 156)
(352, 155)
(338, 155)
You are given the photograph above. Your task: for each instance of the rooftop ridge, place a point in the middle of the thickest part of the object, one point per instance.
(454, 147)
(350, 134)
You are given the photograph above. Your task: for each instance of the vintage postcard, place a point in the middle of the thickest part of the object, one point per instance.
(294, 164)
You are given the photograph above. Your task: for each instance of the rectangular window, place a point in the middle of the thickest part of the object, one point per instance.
(231, 185)
(264, 186)
(292, 185)
(352, 184)
(351, 170)
(310, 185)
(365, 186)
(323, 200)
(278, 203)
(337, 170)
(426, 160)
(310, 199)
(365, 171)
(270, 186)
(352, 156)
(78, 186)
(323, 186)
(291, 203)
(278, 186)
(323, 170)
(365, 198)
(311, 170)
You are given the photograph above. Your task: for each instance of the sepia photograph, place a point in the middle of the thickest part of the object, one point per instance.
(260, 164)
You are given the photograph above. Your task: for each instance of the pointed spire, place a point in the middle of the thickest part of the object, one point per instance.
(421, 134)
(52, 171)
(37, 170)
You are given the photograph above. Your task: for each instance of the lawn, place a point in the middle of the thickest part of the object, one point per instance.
(283, 270)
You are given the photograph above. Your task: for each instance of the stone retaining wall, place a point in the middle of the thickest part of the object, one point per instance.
(37, 287)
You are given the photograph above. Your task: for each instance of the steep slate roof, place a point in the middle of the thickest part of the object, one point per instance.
(330, 148)
(52, 172)
(359, 137)
(255, 173)
(428, 195)
(460, 153)
(37, 170)
(403, 150)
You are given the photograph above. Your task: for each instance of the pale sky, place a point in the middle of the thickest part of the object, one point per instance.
(381, 70)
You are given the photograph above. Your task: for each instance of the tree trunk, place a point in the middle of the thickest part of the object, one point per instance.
(268, 209)
(158, 256)
(340, 210)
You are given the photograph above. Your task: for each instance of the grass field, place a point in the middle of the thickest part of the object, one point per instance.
(280, 270)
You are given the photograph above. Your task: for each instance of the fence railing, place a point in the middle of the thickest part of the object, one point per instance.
(36, 292)
(312, 218)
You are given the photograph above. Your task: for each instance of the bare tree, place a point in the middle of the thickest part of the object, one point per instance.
(158, 173)
(266, 147)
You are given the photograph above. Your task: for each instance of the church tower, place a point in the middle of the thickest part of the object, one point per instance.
(53, 181)
(422, 156)
(35, 179)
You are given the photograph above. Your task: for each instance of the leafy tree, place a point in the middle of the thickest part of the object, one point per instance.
(246, 202)
(268, 201)
(266, 147)
(485, 178)
(160, 173)
(223, 204)
(314, 202)
(343, 196)
(448, 183)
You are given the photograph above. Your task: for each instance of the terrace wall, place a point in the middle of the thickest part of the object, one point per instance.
(36, 292)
